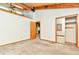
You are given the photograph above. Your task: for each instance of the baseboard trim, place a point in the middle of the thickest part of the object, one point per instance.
(48, 41)
(70, 42)
(14, 42)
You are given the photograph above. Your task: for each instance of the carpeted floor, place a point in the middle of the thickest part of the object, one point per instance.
(37, 47)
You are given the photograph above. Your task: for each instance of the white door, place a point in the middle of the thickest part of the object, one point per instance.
(60, 30)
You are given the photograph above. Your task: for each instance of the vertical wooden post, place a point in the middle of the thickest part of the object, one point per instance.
(77, 31)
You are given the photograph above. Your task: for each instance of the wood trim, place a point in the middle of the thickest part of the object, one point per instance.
(32, 30)
(58, 6)
(77, 31)
(48, 5)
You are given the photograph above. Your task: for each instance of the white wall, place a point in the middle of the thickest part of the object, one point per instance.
(47, 19)
(13, 28)
(29, 14)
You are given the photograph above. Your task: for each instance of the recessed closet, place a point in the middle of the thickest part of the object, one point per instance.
(66, 30)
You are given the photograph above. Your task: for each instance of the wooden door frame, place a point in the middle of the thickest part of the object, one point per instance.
(36, 31)
(31, 30)
(76, 27)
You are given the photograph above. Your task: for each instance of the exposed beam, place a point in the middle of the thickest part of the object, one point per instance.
(59, 5)
(27, 5)
(22, 5)
(17, 6)
(13, 5)
(30, 7)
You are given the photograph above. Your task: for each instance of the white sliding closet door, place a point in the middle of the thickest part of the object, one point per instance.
(60, 30)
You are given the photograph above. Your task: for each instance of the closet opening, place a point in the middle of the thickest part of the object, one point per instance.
(70, 30)
(67, 30)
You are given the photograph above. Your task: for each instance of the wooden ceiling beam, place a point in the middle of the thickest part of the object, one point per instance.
(27, 5)
(31, 7)
(23, 6)
(12, 4)
(59, 5)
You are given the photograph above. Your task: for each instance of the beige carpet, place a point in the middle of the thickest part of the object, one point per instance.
(37, 47)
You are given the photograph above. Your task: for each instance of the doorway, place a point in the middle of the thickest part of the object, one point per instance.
(32, 30)
(67, 29)
(38, 30)
(35, 30)
(70, 31)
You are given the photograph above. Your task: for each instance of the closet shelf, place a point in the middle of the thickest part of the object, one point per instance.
(70, 23)
(69, 27)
